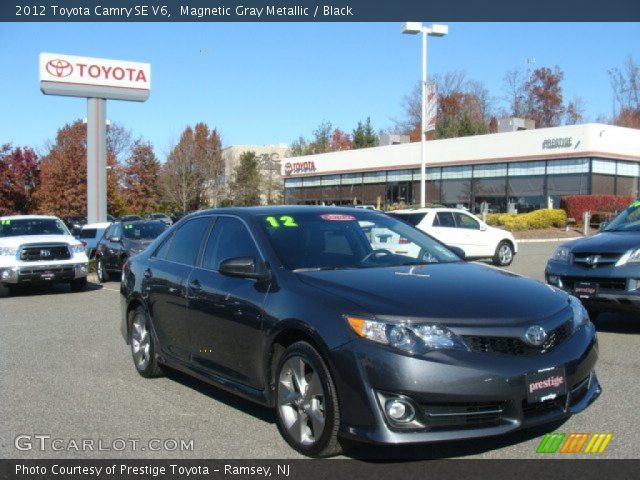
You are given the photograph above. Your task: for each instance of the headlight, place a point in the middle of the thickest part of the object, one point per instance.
(561, 254)
(79, 248)
(580, 314)
(7, 251)
(414, 338)
(632, 256)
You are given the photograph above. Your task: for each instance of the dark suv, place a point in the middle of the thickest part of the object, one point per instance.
(602, 270)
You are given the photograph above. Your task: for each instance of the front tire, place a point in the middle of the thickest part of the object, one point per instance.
(142, 344)
(307, 403)
(504, 254)
(101, 271)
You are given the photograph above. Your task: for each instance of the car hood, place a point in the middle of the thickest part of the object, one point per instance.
(23, 239)
(460, 293)
(606, 242)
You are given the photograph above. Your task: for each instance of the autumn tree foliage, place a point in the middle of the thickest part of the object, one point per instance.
(192, 175)
(625, 83)
(19, 178)
(326, 138)
(63, 175)
(140, 173)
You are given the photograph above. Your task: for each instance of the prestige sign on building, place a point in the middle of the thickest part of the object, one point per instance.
(75, 76)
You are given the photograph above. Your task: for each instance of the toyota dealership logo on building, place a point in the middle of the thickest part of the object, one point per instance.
(59, 68)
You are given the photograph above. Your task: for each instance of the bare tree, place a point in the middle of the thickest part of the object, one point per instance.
(514, 88)
(625, 83)
(574, 112)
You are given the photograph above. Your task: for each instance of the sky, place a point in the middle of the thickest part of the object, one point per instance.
(268, 83)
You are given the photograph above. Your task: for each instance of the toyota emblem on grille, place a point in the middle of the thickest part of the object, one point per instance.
(535, 335)
(592, 260)
(59, 68)
(45, 253)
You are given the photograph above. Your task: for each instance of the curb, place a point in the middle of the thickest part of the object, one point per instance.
(542, 240)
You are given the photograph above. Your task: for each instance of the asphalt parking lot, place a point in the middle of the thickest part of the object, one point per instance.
(67, 373)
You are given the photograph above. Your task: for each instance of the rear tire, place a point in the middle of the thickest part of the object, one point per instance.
(143, 346)
(79, 284)
(103, 275)
(308, 414)
(504, 254)
(5, 291)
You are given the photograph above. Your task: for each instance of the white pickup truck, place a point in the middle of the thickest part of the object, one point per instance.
(40, 250)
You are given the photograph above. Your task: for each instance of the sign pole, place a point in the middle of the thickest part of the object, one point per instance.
(96, 160)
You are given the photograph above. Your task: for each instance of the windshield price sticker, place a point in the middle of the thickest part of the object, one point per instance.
(6, 222)
(635, 204)
(337, 217)
(284, 221)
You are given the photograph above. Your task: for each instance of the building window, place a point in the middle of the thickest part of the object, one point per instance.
(522, 169)
(492, 170)
(293, 182)
(607, 167)
(330, 180)
(526, 193)
(311, 181)
(457, 172)
(398, 175)
(375, 177)
(627, 169)
(351, 179)
(603, 184)
(560, 167)
(456, 192)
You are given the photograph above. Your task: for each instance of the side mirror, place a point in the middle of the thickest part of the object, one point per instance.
(244, 267)
(458, 251)
(602, 226)
(483, 227)
(115, 239)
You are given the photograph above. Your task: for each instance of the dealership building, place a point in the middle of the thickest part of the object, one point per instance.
(518, 169)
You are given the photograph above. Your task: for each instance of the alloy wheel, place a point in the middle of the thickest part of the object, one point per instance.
(505, 254)
(140, 342)
(301, 401)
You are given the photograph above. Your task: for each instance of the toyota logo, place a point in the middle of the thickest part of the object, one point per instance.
(45, 253)
(288, 168)
(59, 68)
(535, 335)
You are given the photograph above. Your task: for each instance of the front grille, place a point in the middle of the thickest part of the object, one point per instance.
(40, 270)
(516, 346)
(594, 260)
(605, 283)
(468, 415)
(34, 253)
(530, 410)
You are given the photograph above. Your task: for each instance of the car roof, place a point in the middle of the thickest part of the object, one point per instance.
(276, 210)
(427, 210)
(96, 225)
(29, 217)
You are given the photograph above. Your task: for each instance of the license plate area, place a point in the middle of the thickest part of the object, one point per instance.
(546, 384)
(585, 289)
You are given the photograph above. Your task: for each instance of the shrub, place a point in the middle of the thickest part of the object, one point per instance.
(576, 205)
(537, 219)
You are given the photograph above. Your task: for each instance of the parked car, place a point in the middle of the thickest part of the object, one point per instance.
(74, 224)
(458, 228)
(161, 217)
(122, 240)
(129, 218)
(602, 270)
(90, 235)
(295, 309)
(40, 250)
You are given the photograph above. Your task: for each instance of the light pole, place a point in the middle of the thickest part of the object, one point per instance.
(434, 30)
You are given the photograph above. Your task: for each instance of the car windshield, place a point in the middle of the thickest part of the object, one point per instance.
(627, 221)
(412, 218)
(143, 230)
(32, 226)
(357, 239)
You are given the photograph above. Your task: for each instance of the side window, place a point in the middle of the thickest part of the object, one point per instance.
(445, 219)
(229, 239)
(118, 232)
(161, 251)
(466, 221)
(186, 241)
(108, 233)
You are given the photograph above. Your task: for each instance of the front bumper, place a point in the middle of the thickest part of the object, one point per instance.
(618, 287)
(43, 274)
(458, 394)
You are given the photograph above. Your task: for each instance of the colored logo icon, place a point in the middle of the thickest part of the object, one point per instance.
(59, 68)
(574, 443)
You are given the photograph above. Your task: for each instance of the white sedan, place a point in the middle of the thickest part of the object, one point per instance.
(458, 228)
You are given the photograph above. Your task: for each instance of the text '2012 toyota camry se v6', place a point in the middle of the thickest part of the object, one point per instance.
(296, 308)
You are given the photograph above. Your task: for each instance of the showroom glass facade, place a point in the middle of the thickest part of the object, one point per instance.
(524, 185)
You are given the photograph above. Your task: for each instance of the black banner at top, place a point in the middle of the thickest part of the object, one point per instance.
(322, 11)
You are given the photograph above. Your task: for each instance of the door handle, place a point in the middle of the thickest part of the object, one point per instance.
(148, 273)
(195, 285)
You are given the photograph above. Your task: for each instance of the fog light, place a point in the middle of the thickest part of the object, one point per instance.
(553, 279)
(399, 410)
(8, 274)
